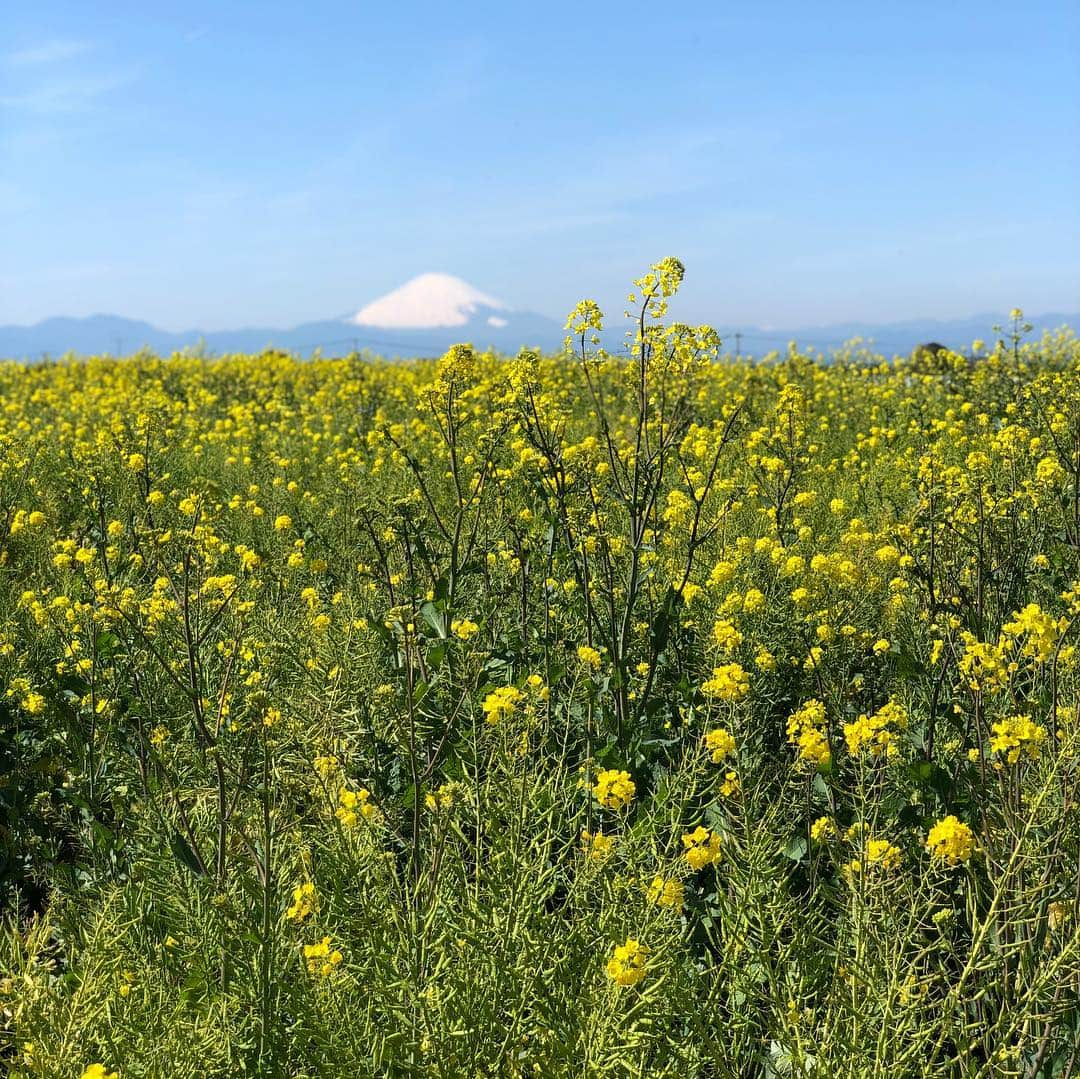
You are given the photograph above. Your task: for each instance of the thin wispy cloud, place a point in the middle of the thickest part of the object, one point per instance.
(65, 95)
(58, 76)
(48, 52)
(49, 83)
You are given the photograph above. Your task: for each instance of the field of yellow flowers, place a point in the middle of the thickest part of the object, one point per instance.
(649, 714)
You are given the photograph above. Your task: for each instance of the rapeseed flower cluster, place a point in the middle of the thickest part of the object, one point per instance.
(1016, 738)
(596, 845)
(590, 658)
(354, 806)
(806, 731)
(614, 789)
(729, 682)
(666, 892)
(501, 703)
(986, 667)
(1036, 631)
(877, 854)
(720, 745)
(701, 847)
(876, 734)
(951, 841)
(626, 967)
(305, 900)
(321, 957)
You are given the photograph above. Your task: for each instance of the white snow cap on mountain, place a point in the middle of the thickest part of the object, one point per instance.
(427, 302)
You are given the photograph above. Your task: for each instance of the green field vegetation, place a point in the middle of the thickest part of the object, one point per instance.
(649, 715)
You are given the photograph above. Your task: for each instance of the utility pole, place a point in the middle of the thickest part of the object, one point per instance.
(738, 345)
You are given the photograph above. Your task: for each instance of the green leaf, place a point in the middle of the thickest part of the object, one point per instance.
(661, 624)
(795, 848)
(184, 854)
(434, 617)
(929, 775)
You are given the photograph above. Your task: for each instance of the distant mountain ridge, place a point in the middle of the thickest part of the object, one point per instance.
(433, 311)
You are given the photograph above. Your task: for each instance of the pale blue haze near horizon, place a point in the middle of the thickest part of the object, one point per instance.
(219, 165)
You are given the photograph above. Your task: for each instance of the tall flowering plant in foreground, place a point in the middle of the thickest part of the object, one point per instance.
(647, 467)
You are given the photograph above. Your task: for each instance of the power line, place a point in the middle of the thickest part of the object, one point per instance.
(422, 348)
(784, 339)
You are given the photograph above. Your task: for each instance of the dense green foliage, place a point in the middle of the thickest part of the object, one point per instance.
(648, 716)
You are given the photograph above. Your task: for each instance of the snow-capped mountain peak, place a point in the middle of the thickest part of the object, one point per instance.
(430, 301)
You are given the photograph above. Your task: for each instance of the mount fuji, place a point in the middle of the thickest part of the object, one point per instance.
(430, 301)
(423, 317)
(436, 310)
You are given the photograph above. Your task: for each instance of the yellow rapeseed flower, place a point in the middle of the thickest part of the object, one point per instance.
(322, 957)
(627, 966)
(701, 847)
(98, 1071)
(951, 841)
(614, 789)
(728, 683)
(720, 745)
(666, 892)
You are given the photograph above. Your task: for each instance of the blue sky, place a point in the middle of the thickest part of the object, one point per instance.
(214, 165)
